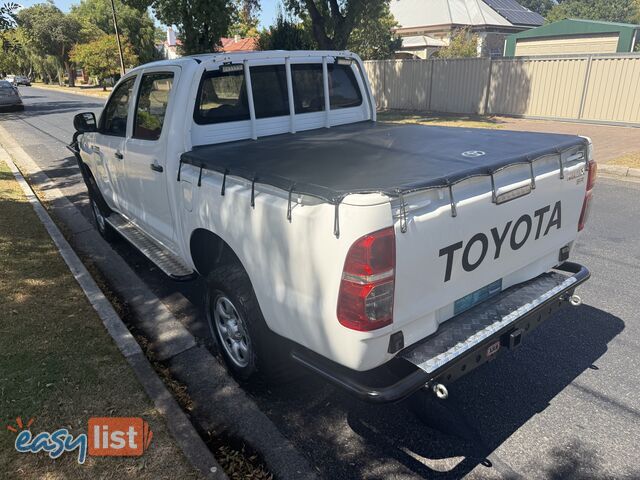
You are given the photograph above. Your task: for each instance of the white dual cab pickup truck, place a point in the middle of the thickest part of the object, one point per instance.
(387, 258)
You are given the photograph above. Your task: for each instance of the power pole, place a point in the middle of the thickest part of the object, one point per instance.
(115, 26)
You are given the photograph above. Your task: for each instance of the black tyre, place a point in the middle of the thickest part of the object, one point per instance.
(106, 231)
(100, 210)
(249, 349)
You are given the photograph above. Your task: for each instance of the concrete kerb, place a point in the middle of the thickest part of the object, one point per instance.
(182, 430)
(619, 170)
(170, 341)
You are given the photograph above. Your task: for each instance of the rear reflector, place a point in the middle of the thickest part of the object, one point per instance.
(365, 300)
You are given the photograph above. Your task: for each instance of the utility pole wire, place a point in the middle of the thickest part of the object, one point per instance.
(115, 26)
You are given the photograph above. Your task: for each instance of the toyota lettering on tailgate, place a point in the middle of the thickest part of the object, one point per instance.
(513, 235)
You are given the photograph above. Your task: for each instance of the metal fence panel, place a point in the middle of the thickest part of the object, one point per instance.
(613, 90)
(408, 84)
(460, 85)
(538, 88)
(601, 88)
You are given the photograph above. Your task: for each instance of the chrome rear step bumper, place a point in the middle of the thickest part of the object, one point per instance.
(462, 343)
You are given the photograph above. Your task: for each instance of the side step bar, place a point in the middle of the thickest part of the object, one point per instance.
(462, 344)
(166, 261)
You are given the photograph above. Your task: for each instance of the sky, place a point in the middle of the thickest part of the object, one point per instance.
(267, 15)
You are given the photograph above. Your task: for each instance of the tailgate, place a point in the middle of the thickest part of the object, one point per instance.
(471, 241)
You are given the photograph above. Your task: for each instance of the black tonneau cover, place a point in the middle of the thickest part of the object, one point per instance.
(372, 157)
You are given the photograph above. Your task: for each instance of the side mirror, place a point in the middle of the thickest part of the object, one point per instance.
(85, 122)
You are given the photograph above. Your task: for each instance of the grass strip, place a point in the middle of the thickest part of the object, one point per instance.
(58, 365)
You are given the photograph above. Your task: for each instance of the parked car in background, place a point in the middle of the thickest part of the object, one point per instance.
(9, 96)
(22, 80)
(18, 80)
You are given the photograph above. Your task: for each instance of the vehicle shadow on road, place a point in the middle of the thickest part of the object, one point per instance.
(429, 438)
(48, 108)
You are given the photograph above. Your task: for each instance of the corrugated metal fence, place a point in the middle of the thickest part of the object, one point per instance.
(598, 88)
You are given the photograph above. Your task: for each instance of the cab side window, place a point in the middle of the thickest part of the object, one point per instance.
(114, 118)
(153, 100)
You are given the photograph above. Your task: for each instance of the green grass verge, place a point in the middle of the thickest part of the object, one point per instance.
(631, 160)
(58, 364)
(468, 121)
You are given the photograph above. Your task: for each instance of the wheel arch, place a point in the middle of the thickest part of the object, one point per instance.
(209, 251)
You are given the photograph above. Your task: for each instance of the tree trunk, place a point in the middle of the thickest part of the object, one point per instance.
(72, 74)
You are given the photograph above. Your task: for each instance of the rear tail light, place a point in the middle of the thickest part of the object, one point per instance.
(365, 300)
(593, 172)
(591, 181)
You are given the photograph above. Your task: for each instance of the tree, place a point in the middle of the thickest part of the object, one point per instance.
(201, 23)
(374, 37)
(50, 32)
(96, 19)
(99, 59)
(625, 11)
(285, 34)
(332, 21)
(245, 18)
(463, 44)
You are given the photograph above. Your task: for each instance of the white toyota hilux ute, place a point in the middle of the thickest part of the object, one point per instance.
(386, 258)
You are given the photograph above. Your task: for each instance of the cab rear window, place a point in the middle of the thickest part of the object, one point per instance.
(222, 97)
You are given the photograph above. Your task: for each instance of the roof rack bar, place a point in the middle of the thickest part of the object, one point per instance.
(336, 221)
(292, 107)
(327, 100)
(252, 107)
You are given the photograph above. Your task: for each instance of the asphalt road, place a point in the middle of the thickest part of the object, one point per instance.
(564, 405)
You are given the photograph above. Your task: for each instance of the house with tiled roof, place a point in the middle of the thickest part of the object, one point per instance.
(169, 47)
(425, 26)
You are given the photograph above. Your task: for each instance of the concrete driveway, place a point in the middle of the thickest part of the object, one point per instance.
(564, 405)
(611, 142)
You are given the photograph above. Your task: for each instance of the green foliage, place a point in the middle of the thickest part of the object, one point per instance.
(539, 6)
(201, 23)
(625, 11)
(99, 57)
(50, 33)
(96, 18)
(245, 18)
(374, 38)
(285, 34)
(463, 44)
(332, 21)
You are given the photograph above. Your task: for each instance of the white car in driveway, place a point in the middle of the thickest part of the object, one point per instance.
(10, 96)
(386, 258)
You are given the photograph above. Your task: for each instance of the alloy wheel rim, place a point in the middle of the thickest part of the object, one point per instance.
(232, 331)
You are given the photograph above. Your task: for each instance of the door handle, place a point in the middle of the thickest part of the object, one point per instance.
(119, 156)
(95, 148)
(157, 168)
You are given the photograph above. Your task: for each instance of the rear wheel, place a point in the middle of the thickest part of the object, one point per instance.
(249, 349)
